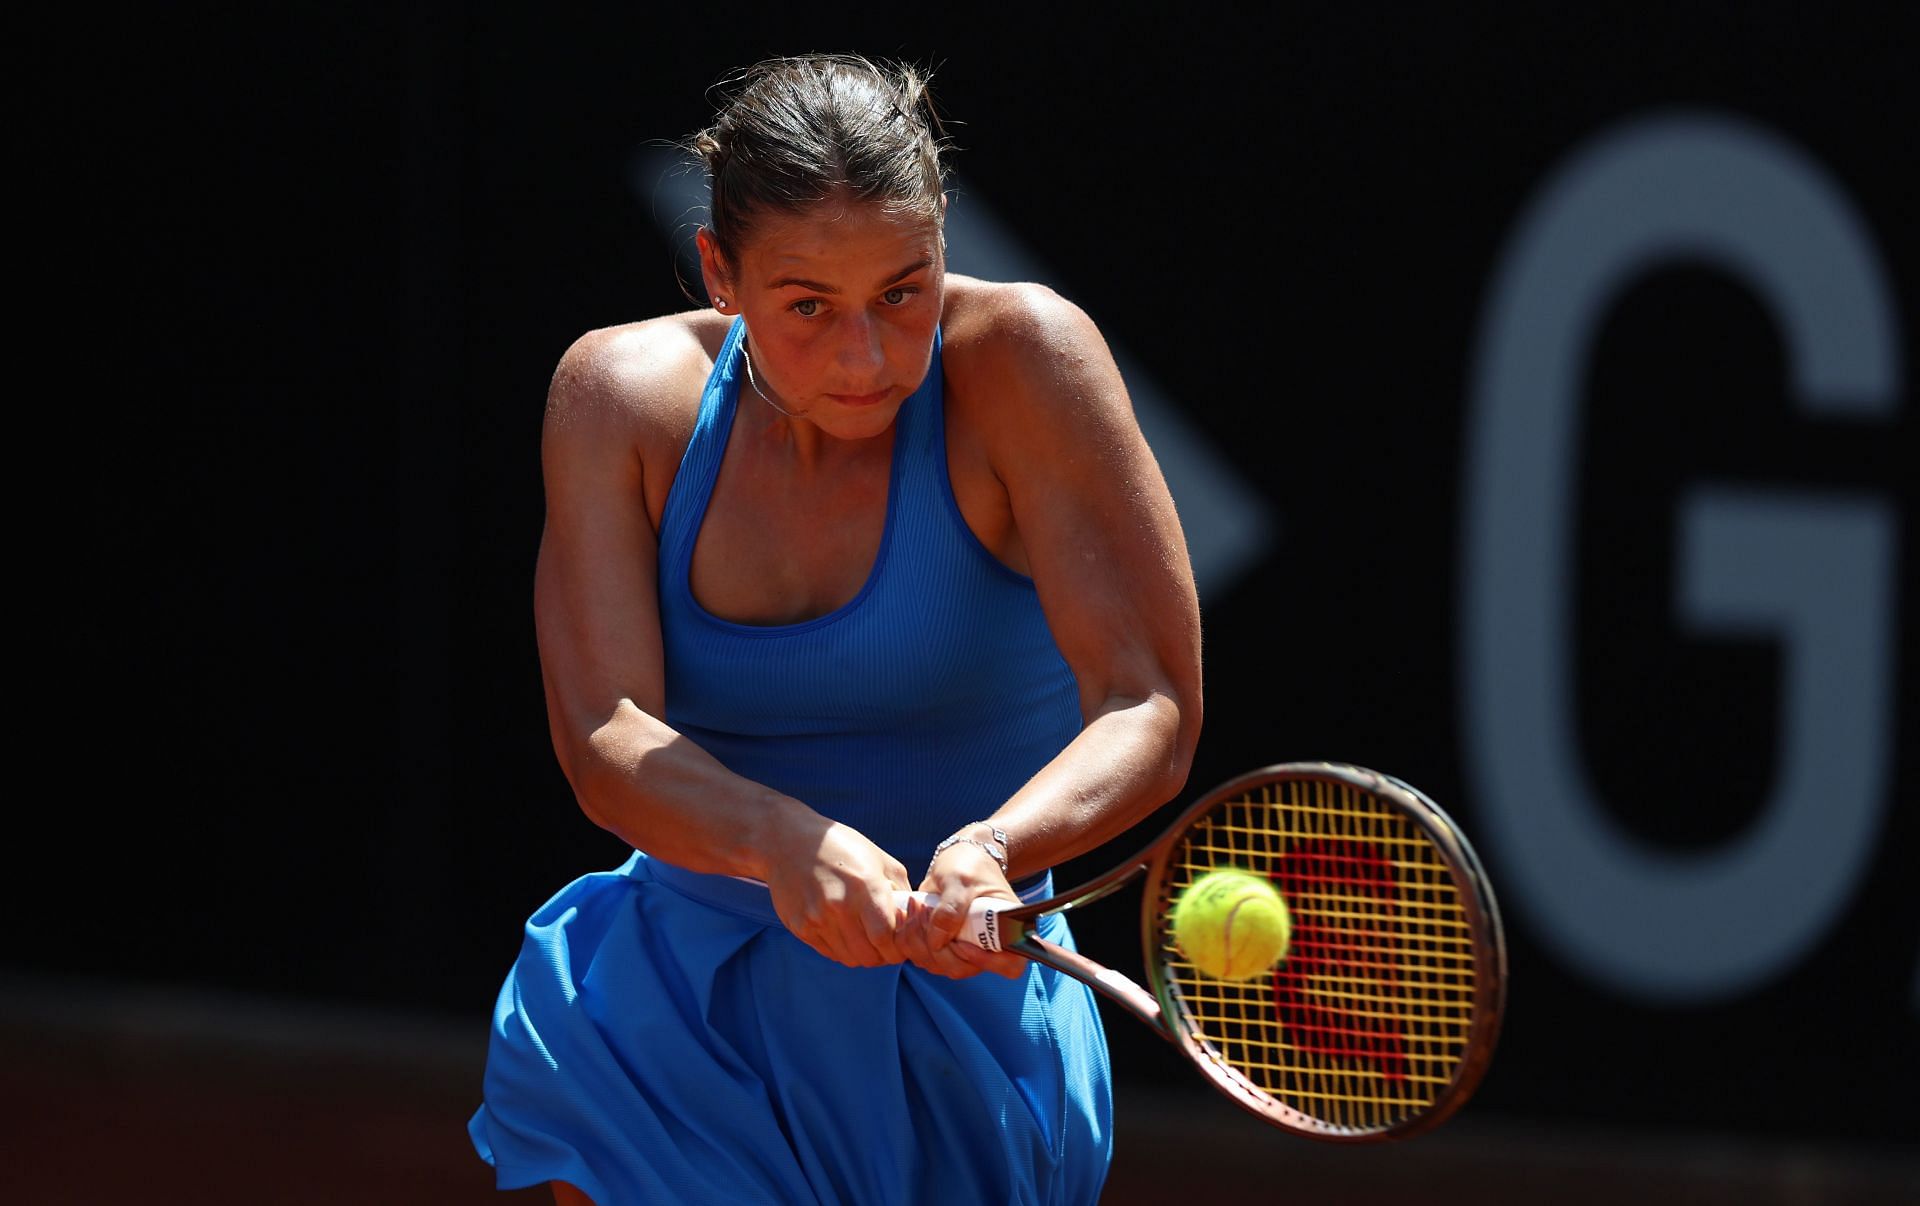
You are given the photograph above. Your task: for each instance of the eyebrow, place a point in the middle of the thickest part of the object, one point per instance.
(821, 287)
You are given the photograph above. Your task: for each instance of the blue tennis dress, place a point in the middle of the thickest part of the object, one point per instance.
(661, 1038)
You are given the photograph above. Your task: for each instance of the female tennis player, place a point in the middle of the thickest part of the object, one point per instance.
(860, 580)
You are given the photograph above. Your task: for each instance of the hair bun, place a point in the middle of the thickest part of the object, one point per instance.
(791, 132)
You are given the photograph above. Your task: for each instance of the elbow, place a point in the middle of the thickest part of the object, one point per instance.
(577, 763)
(1161, 724)
(588, 795)
(583, 758)
(1179, 715)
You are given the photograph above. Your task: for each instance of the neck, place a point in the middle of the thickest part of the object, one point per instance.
(802, 440)
(746, 357)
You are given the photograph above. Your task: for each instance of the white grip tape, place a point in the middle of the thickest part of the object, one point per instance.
(983, 917)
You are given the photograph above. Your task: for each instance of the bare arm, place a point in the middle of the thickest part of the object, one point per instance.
(1097, 527)
(615, 396)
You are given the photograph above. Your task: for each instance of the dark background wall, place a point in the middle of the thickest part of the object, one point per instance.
(304, 275)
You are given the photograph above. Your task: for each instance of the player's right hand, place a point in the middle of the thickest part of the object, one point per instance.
(838, 897)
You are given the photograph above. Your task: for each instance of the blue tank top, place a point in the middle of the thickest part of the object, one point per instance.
(922, 704)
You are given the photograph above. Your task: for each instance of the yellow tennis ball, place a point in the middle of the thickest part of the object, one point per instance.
(1232, 925)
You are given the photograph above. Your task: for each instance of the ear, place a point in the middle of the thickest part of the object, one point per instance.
(713, 272)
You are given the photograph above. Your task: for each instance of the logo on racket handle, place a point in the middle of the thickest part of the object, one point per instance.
(984, 920)
(983, 917)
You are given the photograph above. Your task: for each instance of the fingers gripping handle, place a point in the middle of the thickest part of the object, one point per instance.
(983, 917)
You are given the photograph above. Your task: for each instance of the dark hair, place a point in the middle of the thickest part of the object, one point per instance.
(795, 131)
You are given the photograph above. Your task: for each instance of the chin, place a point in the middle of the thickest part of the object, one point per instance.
(864, 422)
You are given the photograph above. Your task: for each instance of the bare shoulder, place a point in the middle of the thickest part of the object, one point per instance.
(1008, 323)
(642, 376)
(623, 404)
(622, 407)
(1021, 354)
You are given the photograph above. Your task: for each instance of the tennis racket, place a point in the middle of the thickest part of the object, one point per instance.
(1383, 1016)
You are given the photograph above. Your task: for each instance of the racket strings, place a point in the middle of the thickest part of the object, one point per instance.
(1371, 1014)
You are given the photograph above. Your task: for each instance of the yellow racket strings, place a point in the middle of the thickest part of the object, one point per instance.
(1367, 1019)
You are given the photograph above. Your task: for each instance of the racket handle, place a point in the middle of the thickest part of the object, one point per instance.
(983, 916)
(983, 920)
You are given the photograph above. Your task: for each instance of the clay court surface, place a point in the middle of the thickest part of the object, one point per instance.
(151, 1097)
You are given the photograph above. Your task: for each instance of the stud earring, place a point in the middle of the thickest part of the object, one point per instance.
(719, 303)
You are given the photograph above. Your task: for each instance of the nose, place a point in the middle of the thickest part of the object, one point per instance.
(861, 356)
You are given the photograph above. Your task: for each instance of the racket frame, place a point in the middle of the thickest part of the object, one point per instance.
(1160, 1007)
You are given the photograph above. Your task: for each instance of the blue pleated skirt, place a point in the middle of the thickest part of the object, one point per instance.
(662, 1038)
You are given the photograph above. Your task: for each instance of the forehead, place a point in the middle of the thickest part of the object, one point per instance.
(839, 240)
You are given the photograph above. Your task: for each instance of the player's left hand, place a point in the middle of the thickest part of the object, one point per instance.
(930, 936)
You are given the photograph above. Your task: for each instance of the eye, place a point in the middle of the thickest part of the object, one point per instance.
(898, 295)
(806, 307)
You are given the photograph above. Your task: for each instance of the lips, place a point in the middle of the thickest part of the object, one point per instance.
(861, 399)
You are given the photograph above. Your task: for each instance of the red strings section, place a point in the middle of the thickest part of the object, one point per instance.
(1337, 994)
